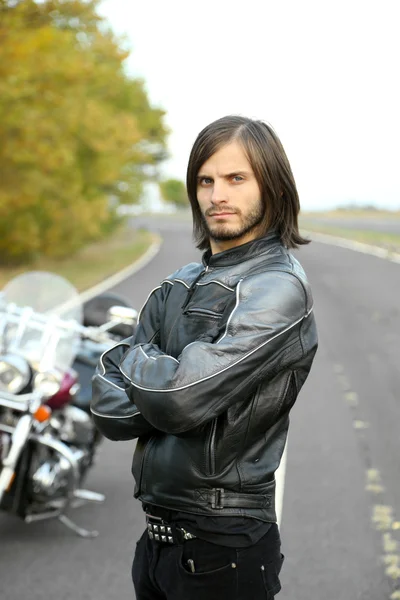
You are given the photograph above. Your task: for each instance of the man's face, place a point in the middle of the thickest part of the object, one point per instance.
(229, 198)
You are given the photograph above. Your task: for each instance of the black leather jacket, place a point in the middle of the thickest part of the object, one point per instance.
(219, 356)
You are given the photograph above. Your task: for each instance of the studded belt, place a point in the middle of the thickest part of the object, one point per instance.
(167, 533)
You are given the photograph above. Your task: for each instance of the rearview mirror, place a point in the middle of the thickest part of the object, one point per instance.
(122, 314)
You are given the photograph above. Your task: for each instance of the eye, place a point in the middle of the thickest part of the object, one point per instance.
(205, 181)
(237, 178)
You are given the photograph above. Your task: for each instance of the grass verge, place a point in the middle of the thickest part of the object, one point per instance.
(392, 215)
(95, 262)
(389, 241)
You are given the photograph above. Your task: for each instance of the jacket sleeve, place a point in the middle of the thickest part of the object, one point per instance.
(270, 328)
(115, 414)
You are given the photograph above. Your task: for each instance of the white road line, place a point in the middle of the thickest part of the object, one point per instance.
(124, 274)
(353, 245)
(280, 485)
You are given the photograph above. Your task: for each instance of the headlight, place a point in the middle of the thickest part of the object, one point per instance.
(47, 383)
(15, 373)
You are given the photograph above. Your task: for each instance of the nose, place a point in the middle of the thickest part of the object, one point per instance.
(219, 193)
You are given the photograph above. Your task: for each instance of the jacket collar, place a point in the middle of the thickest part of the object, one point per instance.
(241, 253)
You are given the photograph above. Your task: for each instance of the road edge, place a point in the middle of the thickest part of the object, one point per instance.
(333, 240)
(154, 248)
(133, 268)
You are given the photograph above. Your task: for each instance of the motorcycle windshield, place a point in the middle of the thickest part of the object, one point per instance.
(38, 318)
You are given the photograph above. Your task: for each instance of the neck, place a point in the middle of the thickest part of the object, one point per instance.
(222, 245)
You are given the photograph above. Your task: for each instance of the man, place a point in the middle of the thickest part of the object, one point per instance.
(206, 384)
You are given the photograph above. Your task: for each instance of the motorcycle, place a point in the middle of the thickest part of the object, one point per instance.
(49, 347)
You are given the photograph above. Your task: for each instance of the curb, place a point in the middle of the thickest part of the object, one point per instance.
(106, 284)
(353, 245)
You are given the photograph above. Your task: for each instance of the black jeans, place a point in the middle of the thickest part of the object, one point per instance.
(162, 572)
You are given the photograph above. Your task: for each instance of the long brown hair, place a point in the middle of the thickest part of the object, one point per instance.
(271, 168)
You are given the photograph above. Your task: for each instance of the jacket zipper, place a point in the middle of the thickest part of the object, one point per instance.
(211, 447)
(142, 487)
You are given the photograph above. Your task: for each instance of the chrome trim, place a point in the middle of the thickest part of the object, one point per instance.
(20, 435)
(15, 404)
(62, 449)
(7, 428)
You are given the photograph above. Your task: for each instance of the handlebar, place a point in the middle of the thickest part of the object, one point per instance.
(26, 402)
(96, 334)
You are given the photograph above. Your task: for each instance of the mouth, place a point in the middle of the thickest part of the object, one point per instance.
(221, 214)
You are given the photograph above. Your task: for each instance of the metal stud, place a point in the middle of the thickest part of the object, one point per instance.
(149, 527)
(155, 527)
(262, 568)
(162, 529)
(151, 535)
(169, 530)
(163, 538)
(157, 537)
(170, 539)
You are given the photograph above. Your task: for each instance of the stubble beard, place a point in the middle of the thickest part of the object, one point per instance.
(226, 232)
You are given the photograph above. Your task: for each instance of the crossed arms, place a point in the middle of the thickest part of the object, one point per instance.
(138, 388)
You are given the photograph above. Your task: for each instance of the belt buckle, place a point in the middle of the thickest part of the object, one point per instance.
(159, 530)
(217, 498)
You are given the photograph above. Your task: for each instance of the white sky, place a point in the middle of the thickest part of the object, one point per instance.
(325, 75)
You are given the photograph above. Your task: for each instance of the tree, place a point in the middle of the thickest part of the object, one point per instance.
(78, 134)
(174, 191)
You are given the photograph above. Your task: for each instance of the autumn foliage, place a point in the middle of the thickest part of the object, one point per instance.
(174, 192)
(78, 135)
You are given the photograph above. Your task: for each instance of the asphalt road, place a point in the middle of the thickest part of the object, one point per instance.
(341, 512)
